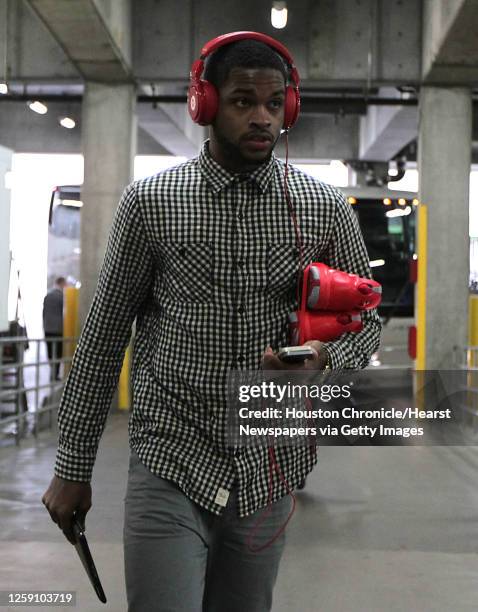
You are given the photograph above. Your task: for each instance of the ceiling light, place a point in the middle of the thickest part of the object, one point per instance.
(375, 263)
(3, 88)
(38, 107)
(416, 201)
(352, 200)
(402, 201)
(279, 15)
(67, 122)
(387, 201)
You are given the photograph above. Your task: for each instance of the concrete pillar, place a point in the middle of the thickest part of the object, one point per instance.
(5, 166)
(109, 145)
(444, 158)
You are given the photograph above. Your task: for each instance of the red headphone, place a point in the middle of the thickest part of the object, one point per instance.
(203, 96)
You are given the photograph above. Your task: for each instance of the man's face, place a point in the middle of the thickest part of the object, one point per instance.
(249, 118)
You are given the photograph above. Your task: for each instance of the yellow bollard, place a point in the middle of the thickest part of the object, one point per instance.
(472, 360)
(421, 293)
(473, 330)
(70, 323)
(421, 307)
(124, 394)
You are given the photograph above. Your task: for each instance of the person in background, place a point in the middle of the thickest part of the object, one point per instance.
(53, 324)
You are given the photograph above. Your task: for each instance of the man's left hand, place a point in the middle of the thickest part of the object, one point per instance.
(270, 361)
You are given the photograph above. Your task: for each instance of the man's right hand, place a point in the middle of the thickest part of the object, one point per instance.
(63, 499)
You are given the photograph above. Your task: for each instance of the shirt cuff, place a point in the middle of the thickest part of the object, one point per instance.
(71, 466)
(336, 355)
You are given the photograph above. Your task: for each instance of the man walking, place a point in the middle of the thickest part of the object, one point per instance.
(205, 257)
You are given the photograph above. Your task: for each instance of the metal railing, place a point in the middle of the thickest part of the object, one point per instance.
(29, 388)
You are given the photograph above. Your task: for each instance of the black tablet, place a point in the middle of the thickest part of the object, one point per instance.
(84, 553)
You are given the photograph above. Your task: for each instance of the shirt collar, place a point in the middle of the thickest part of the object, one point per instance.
(218, 177)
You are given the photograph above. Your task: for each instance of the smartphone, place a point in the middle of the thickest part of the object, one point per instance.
(84, 553)
(295, 354)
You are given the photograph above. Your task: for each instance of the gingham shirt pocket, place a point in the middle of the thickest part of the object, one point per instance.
(187, 271)
(283, 267)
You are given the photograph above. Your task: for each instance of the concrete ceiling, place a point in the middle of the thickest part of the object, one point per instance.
(451, 57)
(353, 56)
(95, 41)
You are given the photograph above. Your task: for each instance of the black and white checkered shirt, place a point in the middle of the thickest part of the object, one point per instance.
(206, 262)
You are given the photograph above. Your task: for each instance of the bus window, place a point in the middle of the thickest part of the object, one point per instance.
(65, 222)
(64, 234)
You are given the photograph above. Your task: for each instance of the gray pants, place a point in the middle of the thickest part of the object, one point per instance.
(182, 558)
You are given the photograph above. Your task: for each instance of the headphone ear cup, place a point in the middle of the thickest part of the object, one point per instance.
(210, 103)
(291, 106)
(194, 95)
(202, 102)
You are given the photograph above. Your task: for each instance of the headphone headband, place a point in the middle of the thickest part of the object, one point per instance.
(225, 39)
(202, 96)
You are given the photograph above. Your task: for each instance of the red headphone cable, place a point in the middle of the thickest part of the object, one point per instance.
(273, 465)
(299, 243)
(298, 237)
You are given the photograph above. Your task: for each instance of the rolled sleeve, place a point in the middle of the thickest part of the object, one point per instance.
(124, 283)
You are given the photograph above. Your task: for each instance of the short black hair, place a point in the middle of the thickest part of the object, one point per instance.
(247, 53)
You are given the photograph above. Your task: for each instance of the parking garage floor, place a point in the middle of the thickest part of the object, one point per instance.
(376, 528)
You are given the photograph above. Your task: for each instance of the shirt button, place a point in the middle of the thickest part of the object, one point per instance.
(240, 216)
(240, 263)
(240, 309)
(241, 358)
